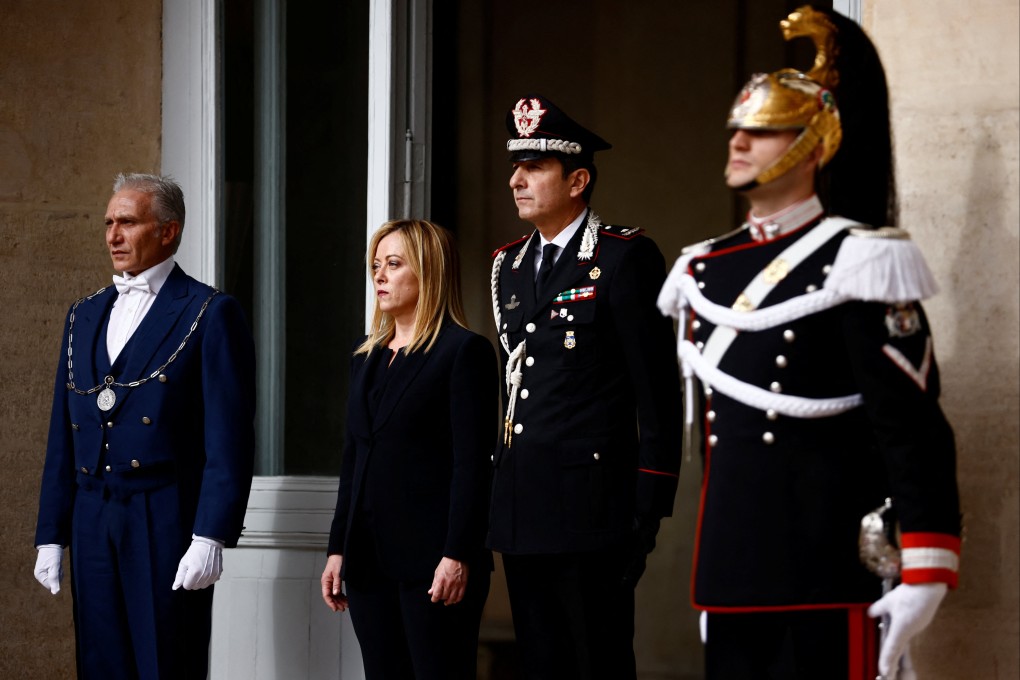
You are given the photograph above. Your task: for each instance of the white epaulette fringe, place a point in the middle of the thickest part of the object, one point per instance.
(881, 265)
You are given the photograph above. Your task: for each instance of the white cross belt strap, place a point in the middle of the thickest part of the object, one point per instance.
(761, 285)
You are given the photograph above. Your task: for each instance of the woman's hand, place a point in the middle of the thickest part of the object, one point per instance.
(450, 581)
(332, 586)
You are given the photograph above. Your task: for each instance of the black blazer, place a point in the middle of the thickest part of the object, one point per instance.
(424, 459)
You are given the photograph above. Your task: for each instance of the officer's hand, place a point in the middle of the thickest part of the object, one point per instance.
(910, 609)
(48, 568)
(202, 565)
(332, 586)
(642, 543)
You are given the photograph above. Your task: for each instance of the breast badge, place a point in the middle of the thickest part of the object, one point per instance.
(569, 341)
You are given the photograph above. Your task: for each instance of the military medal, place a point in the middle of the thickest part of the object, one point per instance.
(594, 273)
(107, 398)
(569, 341)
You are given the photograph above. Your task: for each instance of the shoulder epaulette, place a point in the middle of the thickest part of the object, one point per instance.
(497, 251)
(617, 231)
(882, 265)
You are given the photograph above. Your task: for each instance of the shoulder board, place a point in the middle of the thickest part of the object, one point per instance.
(497, 251)
(882, 232)
(701, 245)
(619, 232)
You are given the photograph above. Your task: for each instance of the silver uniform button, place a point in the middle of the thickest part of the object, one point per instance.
(701, 285)
(530, 361)
(518, 428)
(109, 424)
(695, 324)
(789, 335)
(700, 267)
(712, 440)
(708, 391)
(106, 446)
(781, 361)
(109, 469)
(811, 288)
(827, 269)
(700, 345)
(524, 393)
(530, 328)
(596, 456)
(504, 326)
(768, 438)
(771, 414)
(776, 387)
(710, 416)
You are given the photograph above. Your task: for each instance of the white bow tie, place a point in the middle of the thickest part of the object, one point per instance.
(126, 285)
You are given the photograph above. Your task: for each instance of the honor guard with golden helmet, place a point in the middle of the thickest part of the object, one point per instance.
(590, 453)
(810, 364)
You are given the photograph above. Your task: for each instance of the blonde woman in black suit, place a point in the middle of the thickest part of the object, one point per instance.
(406, 548)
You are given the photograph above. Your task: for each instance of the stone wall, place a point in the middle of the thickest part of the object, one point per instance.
(953, 76)
(79, 101)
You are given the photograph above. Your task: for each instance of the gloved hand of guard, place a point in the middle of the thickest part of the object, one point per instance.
(48, 567)
(201, 565)
(910, 607)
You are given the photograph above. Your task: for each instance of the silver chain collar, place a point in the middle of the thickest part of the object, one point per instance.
(109, 381)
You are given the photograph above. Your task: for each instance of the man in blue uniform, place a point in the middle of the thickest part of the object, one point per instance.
(591, 449)
(151, 447)
(818, 383)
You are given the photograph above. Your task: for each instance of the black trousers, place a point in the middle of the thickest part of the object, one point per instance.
(830, 644)
(573, 615)
(129, 623)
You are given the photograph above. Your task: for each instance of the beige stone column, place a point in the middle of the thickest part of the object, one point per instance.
(953, 76)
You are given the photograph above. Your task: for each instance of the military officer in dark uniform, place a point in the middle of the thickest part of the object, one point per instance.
(818, 383)
(591, 448)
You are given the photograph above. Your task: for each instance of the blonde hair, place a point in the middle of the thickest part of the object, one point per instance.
(432, 256)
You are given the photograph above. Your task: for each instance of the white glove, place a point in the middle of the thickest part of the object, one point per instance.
(202, 565)
(48, 566)
(910, 609)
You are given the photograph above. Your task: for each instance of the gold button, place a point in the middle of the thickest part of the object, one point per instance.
(109, 424)
(109, 469)
(135, 464)
(162, 378)
(146, 421)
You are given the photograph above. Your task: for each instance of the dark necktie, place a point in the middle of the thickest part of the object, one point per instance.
(548, 257)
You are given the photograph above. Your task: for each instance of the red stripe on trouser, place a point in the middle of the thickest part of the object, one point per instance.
(862, 638)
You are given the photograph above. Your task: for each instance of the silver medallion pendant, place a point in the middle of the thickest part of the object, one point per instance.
(106, 399)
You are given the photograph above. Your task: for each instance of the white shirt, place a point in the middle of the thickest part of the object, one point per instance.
(560, 240)
(129, 309)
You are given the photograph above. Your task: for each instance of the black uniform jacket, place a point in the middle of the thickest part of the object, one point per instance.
(783, 497)
(190, 423)
(422, 462)
(596, 436)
